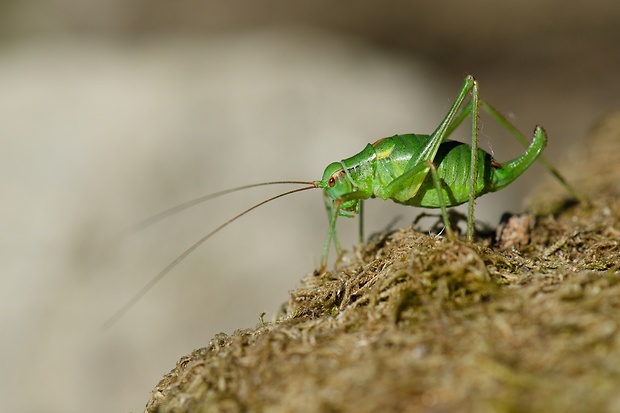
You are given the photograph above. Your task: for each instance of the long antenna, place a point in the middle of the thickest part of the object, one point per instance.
(188, 251)
(171, 211)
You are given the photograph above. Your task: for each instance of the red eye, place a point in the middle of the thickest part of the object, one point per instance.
(331, 182)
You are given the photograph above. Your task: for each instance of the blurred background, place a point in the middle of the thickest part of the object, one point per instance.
(111, 111)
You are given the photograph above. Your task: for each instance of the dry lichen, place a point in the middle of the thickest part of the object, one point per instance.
(416, 323)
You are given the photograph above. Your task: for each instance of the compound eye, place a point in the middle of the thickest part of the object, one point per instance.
(331, 182)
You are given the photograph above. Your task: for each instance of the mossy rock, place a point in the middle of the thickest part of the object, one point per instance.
(528, 320)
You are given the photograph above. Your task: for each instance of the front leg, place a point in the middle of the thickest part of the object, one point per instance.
(332, 207)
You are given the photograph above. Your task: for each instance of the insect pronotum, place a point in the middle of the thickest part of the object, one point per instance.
(428, 171)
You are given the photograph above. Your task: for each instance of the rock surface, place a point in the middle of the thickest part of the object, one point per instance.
(416, 323)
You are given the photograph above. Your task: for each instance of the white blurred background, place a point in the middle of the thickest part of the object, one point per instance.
(113, 111)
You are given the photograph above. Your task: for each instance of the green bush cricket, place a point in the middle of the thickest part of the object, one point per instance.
(429, 171)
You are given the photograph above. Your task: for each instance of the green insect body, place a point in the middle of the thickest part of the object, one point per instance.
(430, 171)
(374, 173)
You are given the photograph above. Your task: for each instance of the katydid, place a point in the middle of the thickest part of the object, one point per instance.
(429, 171)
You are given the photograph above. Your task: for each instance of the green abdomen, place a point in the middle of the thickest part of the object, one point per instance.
(453, 167)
